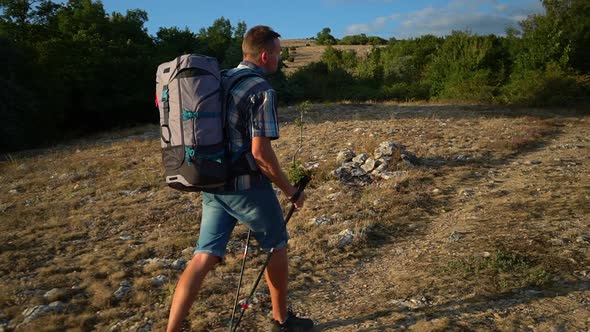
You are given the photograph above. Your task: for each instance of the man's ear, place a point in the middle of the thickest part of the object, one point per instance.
(264, 57)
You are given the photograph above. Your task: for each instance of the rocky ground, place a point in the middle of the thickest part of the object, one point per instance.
(480, 221)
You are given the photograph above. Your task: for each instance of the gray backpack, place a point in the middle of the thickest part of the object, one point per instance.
(191, 95)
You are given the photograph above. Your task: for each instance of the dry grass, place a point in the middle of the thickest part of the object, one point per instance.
(306, 51)
(82, 217)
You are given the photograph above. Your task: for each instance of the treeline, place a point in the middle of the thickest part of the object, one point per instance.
(324, 37)
(70, 69)
(545, 62)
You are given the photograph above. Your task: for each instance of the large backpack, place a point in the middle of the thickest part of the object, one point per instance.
(191, 95)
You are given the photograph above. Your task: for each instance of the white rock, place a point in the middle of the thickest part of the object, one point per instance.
(344, 156)
(188, 251)
(123, 290)
(361, 158)
(178, 264)
(318, 221)
(41, 310)
(346, 237)
(369, 165)
(159, 280)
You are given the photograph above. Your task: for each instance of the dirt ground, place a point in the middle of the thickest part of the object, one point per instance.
(490, 232)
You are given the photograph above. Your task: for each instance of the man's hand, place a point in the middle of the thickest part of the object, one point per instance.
(269, 165)
(300, 200)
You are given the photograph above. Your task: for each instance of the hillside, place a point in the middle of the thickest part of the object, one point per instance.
(307, 51)
(488, 230)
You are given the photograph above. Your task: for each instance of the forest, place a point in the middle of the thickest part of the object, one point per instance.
(73, 69)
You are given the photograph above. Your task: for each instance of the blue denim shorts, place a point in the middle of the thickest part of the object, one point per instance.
(258, 208)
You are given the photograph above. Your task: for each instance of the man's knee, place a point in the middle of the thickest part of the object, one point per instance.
(204, 261)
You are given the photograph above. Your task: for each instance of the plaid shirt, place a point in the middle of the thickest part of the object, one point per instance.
(251, 113)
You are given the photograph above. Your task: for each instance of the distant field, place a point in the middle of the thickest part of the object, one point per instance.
(306, 51)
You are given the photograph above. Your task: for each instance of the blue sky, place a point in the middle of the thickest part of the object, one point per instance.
(305, 18)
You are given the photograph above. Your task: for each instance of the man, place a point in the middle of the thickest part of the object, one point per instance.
(252, 122)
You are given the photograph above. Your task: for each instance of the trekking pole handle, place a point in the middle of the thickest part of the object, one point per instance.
(300, 187)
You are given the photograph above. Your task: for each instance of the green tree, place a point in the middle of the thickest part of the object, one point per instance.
(572, 21)
(217, 37)
(172, 42)
(467, 67)
(325, 38)
(233, 53)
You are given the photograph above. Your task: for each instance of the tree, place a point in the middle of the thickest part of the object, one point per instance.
(572, 20)
(172, 42)
(325, 38)
(217, 37)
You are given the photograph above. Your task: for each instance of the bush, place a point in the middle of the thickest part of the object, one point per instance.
(549, 87)
(474, 88)
(406, 91)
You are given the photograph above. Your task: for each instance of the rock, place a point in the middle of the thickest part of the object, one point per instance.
(5, 207)
(337, 216)
(123, 290)
(378, 201)
(344, 156)
(583, 239)
(386, 175)
(333, 196)
(159, 280)
(42, 310)
(369, 165)
(357, 172)
(385, 149)
(466, 192)
(318, 221)
(558, 242)
(142, 327)
(436, 191)
(55, 294)
(116, 327)
(456, 236)
(461, 158)
(346, 237)
(188, 251)
(178, 264)
(360, 159)
(311, 165)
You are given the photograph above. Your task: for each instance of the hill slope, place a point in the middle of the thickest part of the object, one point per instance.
(490, 231)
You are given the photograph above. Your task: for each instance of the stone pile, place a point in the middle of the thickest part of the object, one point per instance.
(363, 168)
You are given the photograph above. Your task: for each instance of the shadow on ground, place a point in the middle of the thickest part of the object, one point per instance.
(456, 308)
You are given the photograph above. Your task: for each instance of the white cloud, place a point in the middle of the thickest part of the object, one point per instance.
(376, 26)
(477, 16)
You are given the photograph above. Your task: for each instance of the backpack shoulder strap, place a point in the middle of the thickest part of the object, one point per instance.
(232, 77)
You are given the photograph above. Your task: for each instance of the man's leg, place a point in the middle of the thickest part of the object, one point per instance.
(277, 277)
(186, 290)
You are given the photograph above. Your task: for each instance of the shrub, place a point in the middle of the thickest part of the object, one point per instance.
(406, 91)
(551, 86)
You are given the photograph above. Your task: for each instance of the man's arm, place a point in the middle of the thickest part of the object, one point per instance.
(269, 166)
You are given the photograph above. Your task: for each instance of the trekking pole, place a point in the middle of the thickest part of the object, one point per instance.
(300, 187)
(233, 313)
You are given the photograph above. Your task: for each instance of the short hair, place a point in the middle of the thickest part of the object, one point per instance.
(258, 39)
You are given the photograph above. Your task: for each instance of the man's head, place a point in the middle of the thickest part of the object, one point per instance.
(262, 47)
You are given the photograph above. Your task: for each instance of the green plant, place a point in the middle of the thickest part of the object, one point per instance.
(296, 170)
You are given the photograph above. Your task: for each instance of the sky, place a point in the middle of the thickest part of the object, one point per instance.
(305, 18)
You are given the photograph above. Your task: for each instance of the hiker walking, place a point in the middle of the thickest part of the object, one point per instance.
(252, 123)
